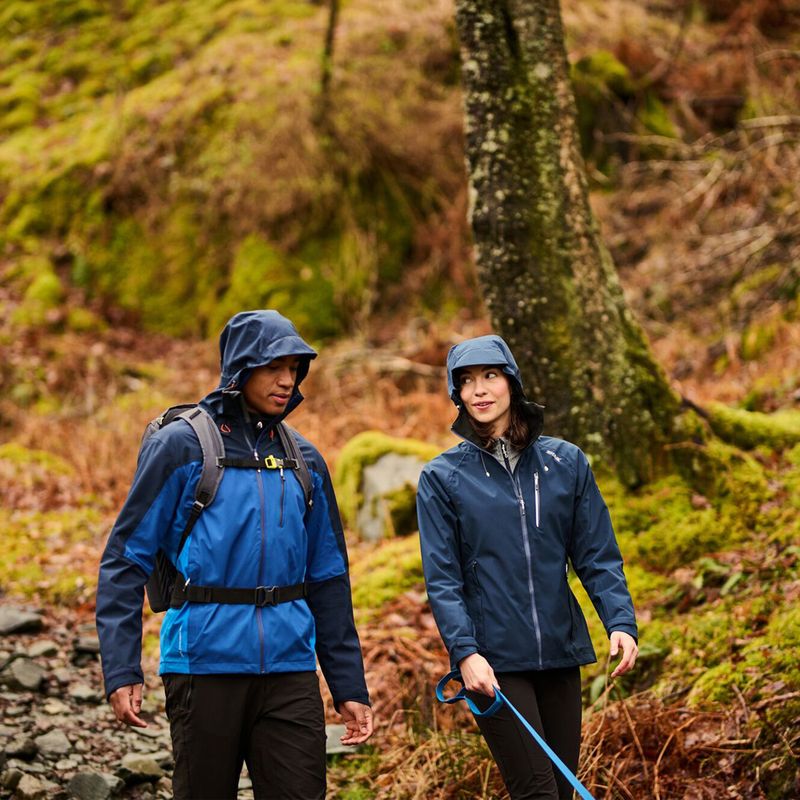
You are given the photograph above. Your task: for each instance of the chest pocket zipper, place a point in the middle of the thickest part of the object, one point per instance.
(537, 500)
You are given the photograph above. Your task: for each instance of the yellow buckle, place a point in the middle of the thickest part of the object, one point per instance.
(270, 462)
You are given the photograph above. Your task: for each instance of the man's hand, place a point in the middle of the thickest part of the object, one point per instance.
(358, 720)
(477, 674)
(127, 704)
(629, 651)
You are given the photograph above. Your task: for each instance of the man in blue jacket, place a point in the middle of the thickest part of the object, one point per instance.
(240, 677)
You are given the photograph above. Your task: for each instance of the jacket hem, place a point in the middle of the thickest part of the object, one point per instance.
(581, 658)
(182, 667)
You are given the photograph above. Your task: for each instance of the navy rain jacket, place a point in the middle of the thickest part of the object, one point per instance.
(495, 545)
(257, 532)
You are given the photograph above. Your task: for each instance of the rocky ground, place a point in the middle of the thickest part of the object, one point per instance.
(59, 737)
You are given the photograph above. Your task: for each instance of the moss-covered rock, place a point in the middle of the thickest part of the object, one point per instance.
(749, 429)
(375, 478)
(384, 573)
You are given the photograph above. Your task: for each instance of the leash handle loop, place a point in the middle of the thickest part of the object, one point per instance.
(499, 699)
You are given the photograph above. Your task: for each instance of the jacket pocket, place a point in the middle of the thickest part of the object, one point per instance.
(477, 605)
(178, 694)
(578, 631)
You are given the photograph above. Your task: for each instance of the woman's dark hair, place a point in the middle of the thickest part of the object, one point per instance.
(518, 433)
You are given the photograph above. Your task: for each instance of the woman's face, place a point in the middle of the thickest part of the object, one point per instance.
(486, 394)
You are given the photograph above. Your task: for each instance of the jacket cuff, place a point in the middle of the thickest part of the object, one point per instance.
(629, 629)
(461, 650)
(358, 698)
(114, 682)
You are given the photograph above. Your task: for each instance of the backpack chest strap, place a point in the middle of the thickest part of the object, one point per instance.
(269, 462)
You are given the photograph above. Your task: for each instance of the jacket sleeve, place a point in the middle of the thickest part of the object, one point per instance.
(128, 561)
(337, 644)
(596, 557)
(441, 564)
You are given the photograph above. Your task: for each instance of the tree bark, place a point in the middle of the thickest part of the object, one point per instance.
(549, 283)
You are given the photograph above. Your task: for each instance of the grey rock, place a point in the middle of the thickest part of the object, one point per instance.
(66, 764)
(7, 730)
(82, 693)
(21, 746)
(29, 768)
(86, 644)
(54, 743)
(10, 778)
(333, 734)
(18, 620)
(43, 648)
(15, 711)
(24, 675)
(163, 758)
(33, 788)
(55, 706)
(63, 675)
(390, 473)
(136, 768)
(94, 786)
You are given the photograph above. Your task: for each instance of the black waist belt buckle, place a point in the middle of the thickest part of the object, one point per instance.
(266, 596)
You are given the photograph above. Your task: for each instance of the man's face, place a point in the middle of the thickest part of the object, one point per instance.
(269, 388)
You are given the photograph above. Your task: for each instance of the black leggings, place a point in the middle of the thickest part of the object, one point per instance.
(551, 702)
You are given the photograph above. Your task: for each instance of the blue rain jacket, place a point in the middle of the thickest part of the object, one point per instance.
(496, 545)
(257, 532)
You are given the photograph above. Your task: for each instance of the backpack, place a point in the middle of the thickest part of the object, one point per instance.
(161, 583)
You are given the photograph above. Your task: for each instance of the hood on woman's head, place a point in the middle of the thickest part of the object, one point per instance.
(489, 350)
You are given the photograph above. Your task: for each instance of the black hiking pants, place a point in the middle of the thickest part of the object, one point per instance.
(273, 723)
(551, 702)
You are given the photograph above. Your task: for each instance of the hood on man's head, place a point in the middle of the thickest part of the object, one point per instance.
(251, 339)
(489, 350)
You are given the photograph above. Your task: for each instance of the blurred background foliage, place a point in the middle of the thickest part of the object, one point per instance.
(164, 164)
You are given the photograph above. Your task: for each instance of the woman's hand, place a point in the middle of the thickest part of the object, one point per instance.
(477, 674)
(629, 651)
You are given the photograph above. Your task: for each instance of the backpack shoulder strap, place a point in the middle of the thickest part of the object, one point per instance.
(213, 449)
(292, 450)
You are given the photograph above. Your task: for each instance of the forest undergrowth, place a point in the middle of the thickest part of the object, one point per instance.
(128, 216)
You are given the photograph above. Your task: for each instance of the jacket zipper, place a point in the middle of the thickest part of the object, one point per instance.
(283, 487)
(527, 546)
(536, 495)
(262, 502)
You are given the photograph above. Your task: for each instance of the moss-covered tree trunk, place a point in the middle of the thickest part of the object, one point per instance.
(549, 283)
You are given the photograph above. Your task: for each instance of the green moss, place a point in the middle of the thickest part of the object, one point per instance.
(775, 653)
(82, 320)
(21, 458)
(39, 554)
(361, 451)
(401, 506)
(393, 567)
(263, 277)
(758, 338)
(749, 429)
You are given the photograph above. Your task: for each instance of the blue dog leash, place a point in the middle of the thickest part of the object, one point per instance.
(499, 699)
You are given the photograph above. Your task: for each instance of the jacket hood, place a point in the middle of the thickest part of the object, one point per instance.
(251, 339)
(490, 350)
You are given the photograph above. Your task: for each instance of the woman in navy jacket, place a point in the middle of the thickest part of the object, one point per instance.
(501, 516)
